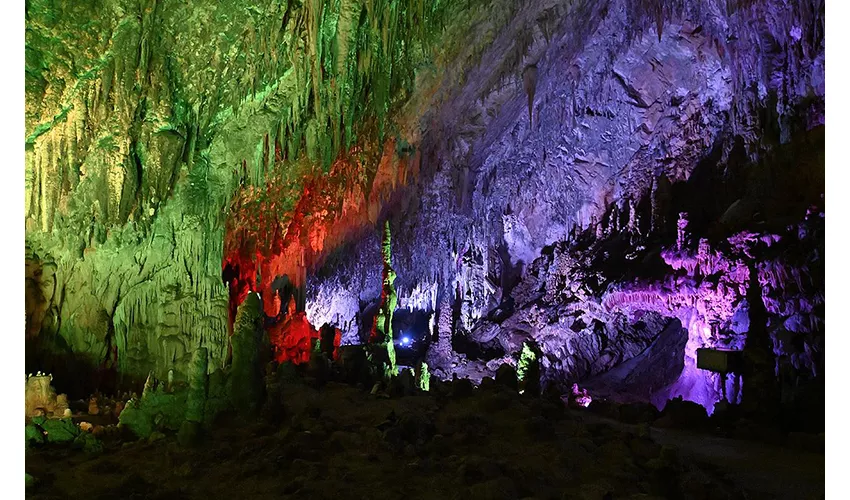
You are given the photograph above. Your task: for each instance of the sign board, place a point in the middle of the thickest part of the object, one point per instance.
(720, 360)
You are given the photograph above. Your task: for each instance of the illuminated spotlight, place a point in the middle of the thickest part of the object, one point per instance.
(405, 340)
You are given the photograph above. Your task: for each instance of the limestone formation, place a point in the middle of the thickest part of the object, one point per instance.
(246, 371)
(197, 397)
(423, 377)
(381, 352)
(41, 398)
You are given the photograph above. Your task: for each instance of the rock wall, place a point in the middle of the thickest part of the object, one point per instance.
(640, 111)
(145, 117)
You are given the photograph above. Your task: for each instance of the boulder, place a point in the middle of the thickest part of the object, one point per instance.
(136, 419)
(487, 383)
(353, 365)
(156, 409)
(506, 376)
(406, 382)
(462, 387)
(34, 435)
(60, 430)
(683, 414)
(318, 368)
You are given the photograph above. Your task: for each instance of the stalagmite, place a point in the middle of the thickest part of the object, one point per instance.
(246, 373)
(381, 344)
(197, 397)
(528, 369)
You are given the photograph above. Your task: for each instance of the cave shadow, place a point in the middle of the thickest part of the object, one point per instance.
(412, 325)
(766, 195)
(78, 375)
(654, 369)
(74, 374)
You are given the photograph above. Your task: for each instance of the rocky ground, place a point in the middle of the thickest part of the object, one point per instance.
(340, 441)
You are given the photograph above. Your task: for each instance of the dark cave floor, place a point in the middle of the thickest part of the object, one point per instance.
(341, 442)
(758, 467)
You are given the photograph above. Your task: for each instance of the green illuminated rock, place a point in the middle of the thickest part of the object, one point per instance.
(382, 349)
(156, 409)
(423, 377)
(34, 435)
(60, 430)
(144, 118)
(528, 369)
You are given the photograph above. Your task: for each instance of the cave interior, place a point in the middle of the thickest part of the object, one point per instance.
(539, 249)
